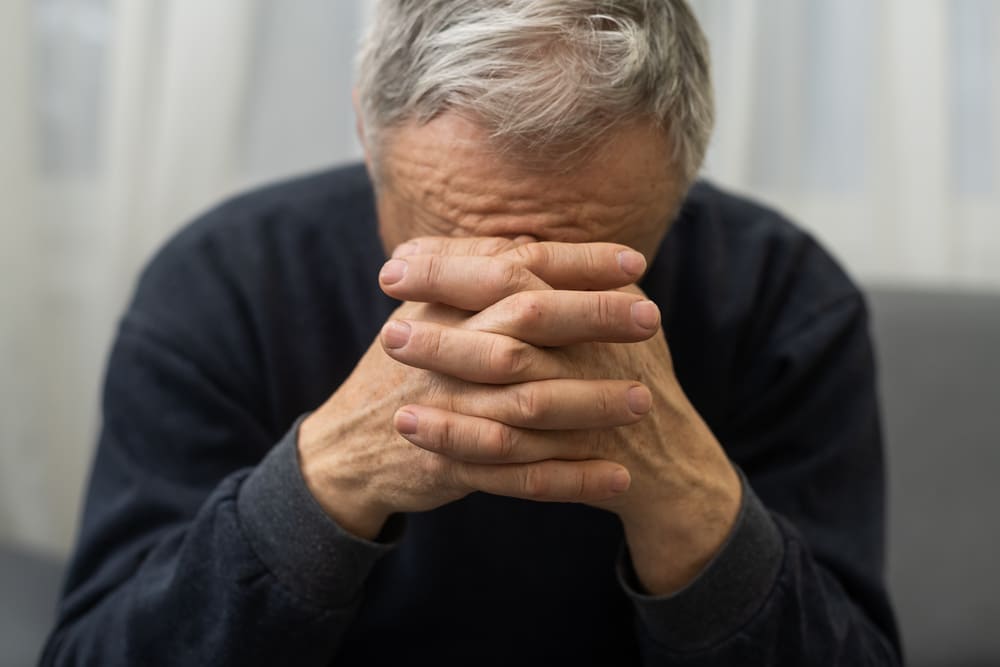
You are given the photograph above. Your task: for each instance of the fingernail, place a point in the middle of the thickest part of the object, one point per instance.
(395, 334)
(632, 263)
(392, 272)
(646, 314)
(639, 400)
(406, 422)
(620, 481)
(406, 249)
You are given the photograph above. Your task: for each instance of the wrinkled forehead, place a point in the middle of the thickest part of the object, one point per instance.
(449, 171)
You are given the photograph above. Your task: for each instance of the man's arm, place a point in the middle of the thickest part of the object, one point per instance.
(199, 542)
(202, 542)
(192, 550)
(799, 581)
(735, 582)
(361, 470)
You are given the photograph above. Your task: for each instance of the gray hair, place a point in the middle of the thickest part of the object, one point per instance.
(540, 75)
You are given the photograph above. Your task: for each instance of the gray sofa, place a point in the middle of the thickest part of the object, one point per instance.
(940, 386)
(939, 354)
(29, 585)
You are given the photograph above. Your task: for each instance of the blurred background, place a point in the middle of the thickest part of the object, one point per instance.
(874, 123)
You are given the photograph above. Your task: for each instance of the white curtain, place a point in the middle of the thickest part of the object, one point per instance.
(875, 124)
(120, 120)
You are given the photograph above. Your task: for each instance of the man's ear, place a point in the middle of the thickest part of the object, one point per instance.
(359, 126)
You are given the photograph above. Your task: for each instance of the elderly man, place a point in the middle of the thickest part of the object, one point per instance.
(517, 393)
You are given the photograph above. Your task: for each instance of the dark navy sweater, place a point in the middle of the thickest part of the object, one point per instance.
(200, 544)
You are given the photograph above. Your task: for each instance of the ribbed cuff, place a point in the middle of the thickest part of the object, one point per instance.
(305, 549)
(725, 595)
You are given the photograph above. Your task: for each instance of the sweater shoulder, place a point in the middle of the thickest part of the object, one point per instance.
(293, 205)
(740, 279)
(758, 262)
(289, 225)
(252, 290)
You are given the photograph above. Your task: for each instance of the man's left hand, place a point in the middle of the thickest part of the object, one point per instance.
(684, 494)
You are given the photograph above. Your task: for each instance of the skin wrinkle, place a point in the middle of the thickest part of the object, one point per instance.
(476, 192)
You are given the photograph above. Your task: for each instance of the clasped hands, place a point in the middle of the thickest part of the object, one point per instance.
(532, 370)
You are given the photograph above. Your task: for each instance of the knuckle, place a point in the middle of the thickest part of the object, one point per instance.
(452, 400)
(434, 467)
(529, 404)
(444, 472)
(580, 485)
(605, 310)
(433, 269)
(490, 246)
(501, 442)
(434, 342)
(506, 277)
(455, 475)
(527, 307)
(598, 444)
(526, 255)
(510, 358)
(534, 482)
(593, 259)
(420, 244)
(443, 437)
(605, 404)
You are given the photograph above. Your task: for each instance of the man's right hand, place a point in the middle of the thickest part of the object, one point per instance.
(361, 470)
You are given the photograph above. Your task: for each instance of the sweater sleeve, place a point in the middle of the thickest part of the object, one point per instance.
(182, 568)
(799, 581)
(200, 543)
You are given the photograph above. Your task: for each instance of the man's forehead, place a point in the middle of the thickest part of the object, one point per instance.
(449, 169)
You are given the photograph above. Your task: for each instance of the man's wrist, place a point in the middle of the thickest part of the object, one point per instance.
(725, 595)
(351, 515)
(672, 543)
(302, 546)
(349, 507)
